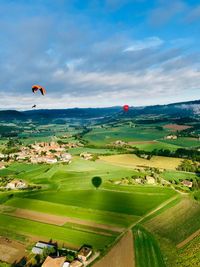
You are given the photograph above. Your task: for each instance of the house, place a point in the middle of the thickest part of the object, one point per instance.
(16, 184)
(54, 262)
(187, 183)
(86, 156)
(66, 157)
(150, 180)
(171, 137)
(84, 253)
(119, 143)
(40, 246)
(76, 263)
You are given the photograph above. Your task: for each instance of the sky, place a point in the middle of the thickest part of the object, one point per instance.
(98, 53)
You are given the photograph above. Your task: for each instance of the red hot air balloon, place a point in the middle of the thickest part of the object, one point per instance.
(36, 87)
(126, 108)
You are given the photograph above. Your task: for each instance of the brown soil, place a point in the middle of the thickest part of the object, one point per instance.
(121, 255)
(187, 240)
(177, 127)
(59, 220)
(11, 251)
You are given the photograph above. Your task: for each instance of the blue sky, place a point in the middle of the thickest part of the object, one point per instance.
(99, 53)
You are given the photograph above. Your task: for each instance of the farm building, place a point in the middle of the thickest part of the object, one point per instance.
(16, 184)
(171, 137)
(187, 183)
(54, 262)
(40, 246)
(84, 253)
(86, 156)
(150, 180)
(66, 157)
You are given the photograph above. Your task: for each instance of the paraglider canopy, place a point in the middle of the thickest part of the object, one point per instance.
(126, 108)
(37, 87)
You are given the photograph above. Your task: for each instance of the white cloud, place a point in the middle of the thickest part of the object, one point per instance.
(147, 43)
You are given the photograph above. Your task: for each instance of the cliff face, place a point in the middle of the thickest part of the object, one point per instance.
(121, 255)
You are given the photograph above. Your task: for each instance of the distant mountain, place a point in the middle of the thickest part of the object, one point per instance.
(183, 109)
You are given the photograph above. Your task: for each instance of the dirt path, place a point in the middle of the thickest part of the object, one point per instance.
(60, 220)
(121, 255)
(188, 239)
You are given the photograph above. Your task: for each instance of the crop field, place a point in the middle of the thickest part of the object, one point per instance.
(183, 142)
(74, 237)
(105, 136)
(157, 145)
(189, 255)
(167, 223)
(147, 251)
(131, 161)
(87, 215)
(121, 202)
(177, 127)
(179, 176)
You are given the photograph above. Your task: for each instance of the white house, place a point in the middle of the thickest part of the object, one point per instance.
(16, 184)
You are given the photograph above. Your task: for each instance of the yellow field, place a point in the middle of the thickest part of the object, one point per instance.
(132, 161)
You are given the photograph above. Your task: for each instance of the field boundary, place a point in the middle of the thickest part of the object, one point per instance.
(188, 239)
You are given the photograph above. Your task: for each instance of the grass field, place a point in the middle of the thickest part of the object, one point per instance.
(73, 237)
(183, 142)
(103, 136)
(157, 145)
(131, 161)
(73, 212)
(121, 202)
(147, 250)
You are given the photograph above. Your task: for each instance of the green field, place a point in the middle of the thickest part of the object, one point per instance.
(97, 216)
(157, 145)
(183, 142)
(121, 202)
(70, 236)
(101, 136)
(147, 250)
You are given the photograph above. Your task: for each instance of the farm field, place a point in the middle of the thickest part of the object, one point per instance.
(113, 201)
(182, 219)
(147, 251)
(189, 255)
(157, 145)
(132, 161)
(72, 237)
(103, 136)
(183, 142)
(166, 223)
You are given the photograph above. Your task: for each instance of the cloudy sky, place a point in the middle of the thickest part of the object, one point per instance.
(99, 52)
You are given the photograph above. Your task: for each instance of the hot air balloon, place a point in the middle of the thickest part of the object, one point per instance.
(37, 87)
(126, 108)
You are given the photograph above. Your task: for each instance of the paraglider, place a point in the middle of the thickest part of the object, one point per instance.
(126, 108)
(37, 87)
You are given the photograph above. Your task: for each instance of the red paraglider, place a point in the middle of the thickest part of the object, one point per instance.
(38, 87)
(126, 108)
